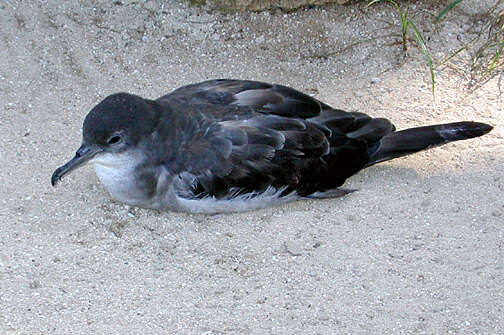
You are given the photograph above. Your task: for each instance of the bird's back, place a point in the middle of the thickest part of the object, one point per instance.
(257, 136)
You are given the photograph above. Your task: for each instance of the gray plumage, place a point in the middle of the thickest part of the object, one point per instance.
(231, 145)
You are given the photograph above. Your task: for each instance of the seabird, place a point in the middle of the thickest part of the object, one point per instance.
(232, 145)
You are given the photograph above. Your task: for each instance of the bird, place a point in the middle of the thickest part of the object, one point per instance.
(230, 145)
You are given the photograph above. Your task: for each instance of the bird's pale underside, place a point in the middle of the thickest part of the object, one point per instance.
(232, 145)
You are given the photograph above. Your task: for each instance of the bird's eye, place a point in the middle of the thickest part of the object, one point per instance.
(114, 139)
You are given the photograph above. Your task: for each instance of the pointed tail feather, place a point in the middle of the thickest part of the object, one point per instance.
(405, 142)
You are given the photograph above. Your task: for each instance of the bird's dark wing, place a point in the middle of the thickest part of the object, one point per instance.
(262, 151)
(261, 97)
(247, 136)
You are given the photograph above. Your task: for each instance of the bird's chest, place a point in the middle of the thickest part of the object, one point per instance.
(118, 174)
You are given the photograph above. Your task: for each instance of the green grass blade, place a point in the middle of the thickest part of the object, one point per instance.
(452, 55)
(404, 21)
(426, 53)
(497, 55)
(446, 10)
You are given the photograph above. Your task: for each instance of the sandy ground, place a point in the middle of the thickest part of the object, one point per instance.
(419, 249)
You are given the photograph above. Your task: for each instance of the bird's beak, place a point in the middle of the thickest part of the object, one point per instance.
(82, 156)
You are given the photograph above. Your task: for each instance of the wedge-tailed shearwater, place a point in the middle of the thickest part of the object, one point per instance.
(233, 145)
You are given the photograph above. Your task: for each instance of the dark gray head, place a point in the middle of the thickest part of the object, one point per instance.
(120, 118)
(114, 125)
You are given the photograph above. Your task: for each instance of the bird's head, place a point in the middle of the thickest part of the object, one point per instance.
(113, 126)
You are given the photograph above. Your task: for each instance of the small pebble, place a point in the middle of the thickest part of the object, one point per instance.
(34, 284)
(260, 39)
(293, 248)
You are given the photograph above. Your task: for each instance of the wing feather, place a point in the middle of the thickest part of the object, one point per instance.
(248, 137)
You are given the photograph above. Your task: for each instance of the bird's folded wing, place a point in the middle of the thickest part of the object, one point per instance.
(256, 135)
(251, 155)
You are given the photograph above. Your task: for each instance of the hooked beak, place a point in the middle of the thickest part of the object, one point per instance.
(82, 156)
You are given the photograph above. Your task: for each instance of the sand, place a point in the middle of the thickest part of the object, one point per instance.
(418, 249)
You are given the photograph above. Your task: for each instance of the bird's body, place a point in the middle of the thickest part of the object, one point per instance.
(231, 145)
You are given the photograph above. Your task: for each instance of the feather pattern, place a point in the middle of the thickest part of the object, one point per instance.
(267, 136)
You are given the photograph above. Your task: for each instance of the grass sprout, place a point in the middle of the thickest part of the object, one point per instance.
(486, 48)
(446, 10)
(405, 24)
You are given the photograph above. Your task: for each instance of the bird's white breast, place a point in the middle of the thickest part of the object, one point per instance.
(117, 173)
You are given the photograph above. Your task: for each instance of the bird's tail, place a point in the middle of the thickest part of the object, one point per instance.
(405, 142)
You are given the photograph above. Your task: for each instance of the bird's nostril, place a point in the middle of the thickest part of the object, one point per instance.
(82, 151)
